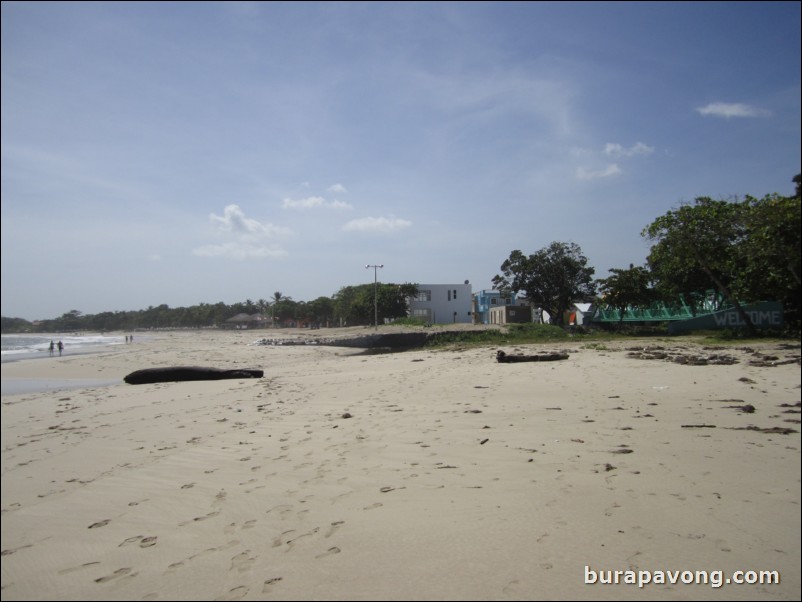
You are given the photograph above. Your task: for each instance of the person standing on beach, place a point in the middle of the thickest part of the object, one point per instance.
(60, 348)
(52, 347)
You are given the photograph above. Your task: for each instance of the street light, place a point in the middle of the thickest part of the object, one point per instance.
(375, 294)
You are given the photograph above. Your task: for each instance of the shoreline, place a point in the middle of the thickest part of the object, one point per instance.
(428, 474)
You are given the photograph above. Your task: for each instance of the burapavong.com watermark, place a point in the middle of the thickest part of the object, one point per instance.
(714, 579)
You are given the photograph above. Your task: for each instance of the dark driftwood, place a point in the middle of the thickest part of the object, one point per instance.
(542, 357)
(181, 373)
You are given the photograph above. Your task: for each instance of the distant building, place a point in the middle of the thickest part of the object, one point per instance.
(511, 314)
(580, 314)
(486, 300)
(442, 303)
(244, 321)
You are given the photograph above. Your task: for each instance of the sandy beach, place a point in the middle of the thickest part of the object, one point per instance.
(427, 474)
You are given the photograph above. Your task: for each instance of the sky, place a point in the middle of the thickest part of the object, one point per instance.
(182, 153)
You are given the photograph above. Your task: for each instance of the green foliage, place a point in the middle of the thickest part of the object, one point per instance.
(15, 325)
(409, 322)
(749, 251)
(693, 247)
(771, 253)
(553, 278)
(357, 305)
(512, 334)
(627, 288)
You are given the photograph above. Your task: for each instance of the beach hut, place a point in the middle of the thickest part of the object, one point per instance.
(241, 321)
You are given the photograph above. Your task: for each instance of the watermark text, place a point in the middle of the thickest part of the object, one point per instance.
(714, 579)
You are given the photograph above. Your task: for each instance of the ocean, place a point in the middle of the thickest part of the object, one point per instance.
(30, 346)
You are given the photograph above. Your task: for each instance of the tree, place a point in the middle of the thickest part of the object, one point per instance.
(698, 244)
(320, 311)
(553, 278)
(277, 307)
(771, 252)
(355, 304)
(627, 288)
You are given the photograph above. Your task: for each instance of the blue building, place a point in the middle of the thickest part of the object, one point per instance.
(485, 300)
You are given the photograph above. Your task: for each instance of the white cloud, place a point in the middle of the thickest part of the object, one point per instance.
(307, 203)
(337, 188)
(312, 202)
(728, 110)
(616, 150)
(340, 205)
(234, 220)
(377, 224)
(250, 237)
(154, 257)
(586, 174)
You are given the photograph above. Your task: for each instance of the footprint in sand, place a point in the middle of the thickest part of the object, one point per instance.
(131, 540)
(283, 510)
(10, 551)
(329, 552)
(101, 523)
(175, 565)
(236, 593)
(115, 575)
(199, 518)
(334, 526)
(291, 542)
(242, 562)
(77, 568)
(144, 542)
(268, 582)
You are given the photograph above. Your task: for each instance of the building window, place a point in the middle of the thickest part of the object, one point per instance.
(449, 294)
(493, 301)
(424, 296)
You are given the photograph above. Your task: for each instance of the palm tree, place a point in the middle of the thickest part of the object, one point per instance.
(278, 297)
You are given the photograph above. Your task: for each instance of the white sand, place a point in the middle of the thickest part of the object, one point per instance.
(454, 478)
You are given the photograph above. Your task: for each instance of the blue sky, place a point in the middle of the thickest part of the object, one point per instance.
(179, 153)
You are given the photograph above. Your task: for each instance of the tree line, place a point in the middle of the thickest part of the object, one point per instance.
(351, 305)
(746, 250)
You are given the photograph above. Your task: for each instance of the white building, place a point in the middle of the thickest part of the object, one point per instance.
(442, 303)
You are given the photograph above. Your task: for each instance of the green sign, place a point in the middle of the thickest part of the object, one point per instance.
(763, 315)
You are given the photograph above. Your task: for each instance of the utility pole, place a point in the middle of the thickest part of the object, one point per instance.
(375, 294)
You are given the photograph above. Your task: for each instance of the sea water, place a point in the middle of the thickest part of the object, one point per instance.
(33, 346)
(30, 346)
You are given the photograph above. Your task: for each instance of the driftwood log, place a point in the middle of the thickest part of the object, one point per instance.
(182, 373)
(503, 358)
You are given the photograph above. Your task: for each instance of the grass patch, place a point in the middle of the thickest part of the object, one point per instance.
(408, 322)
(512, 334)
